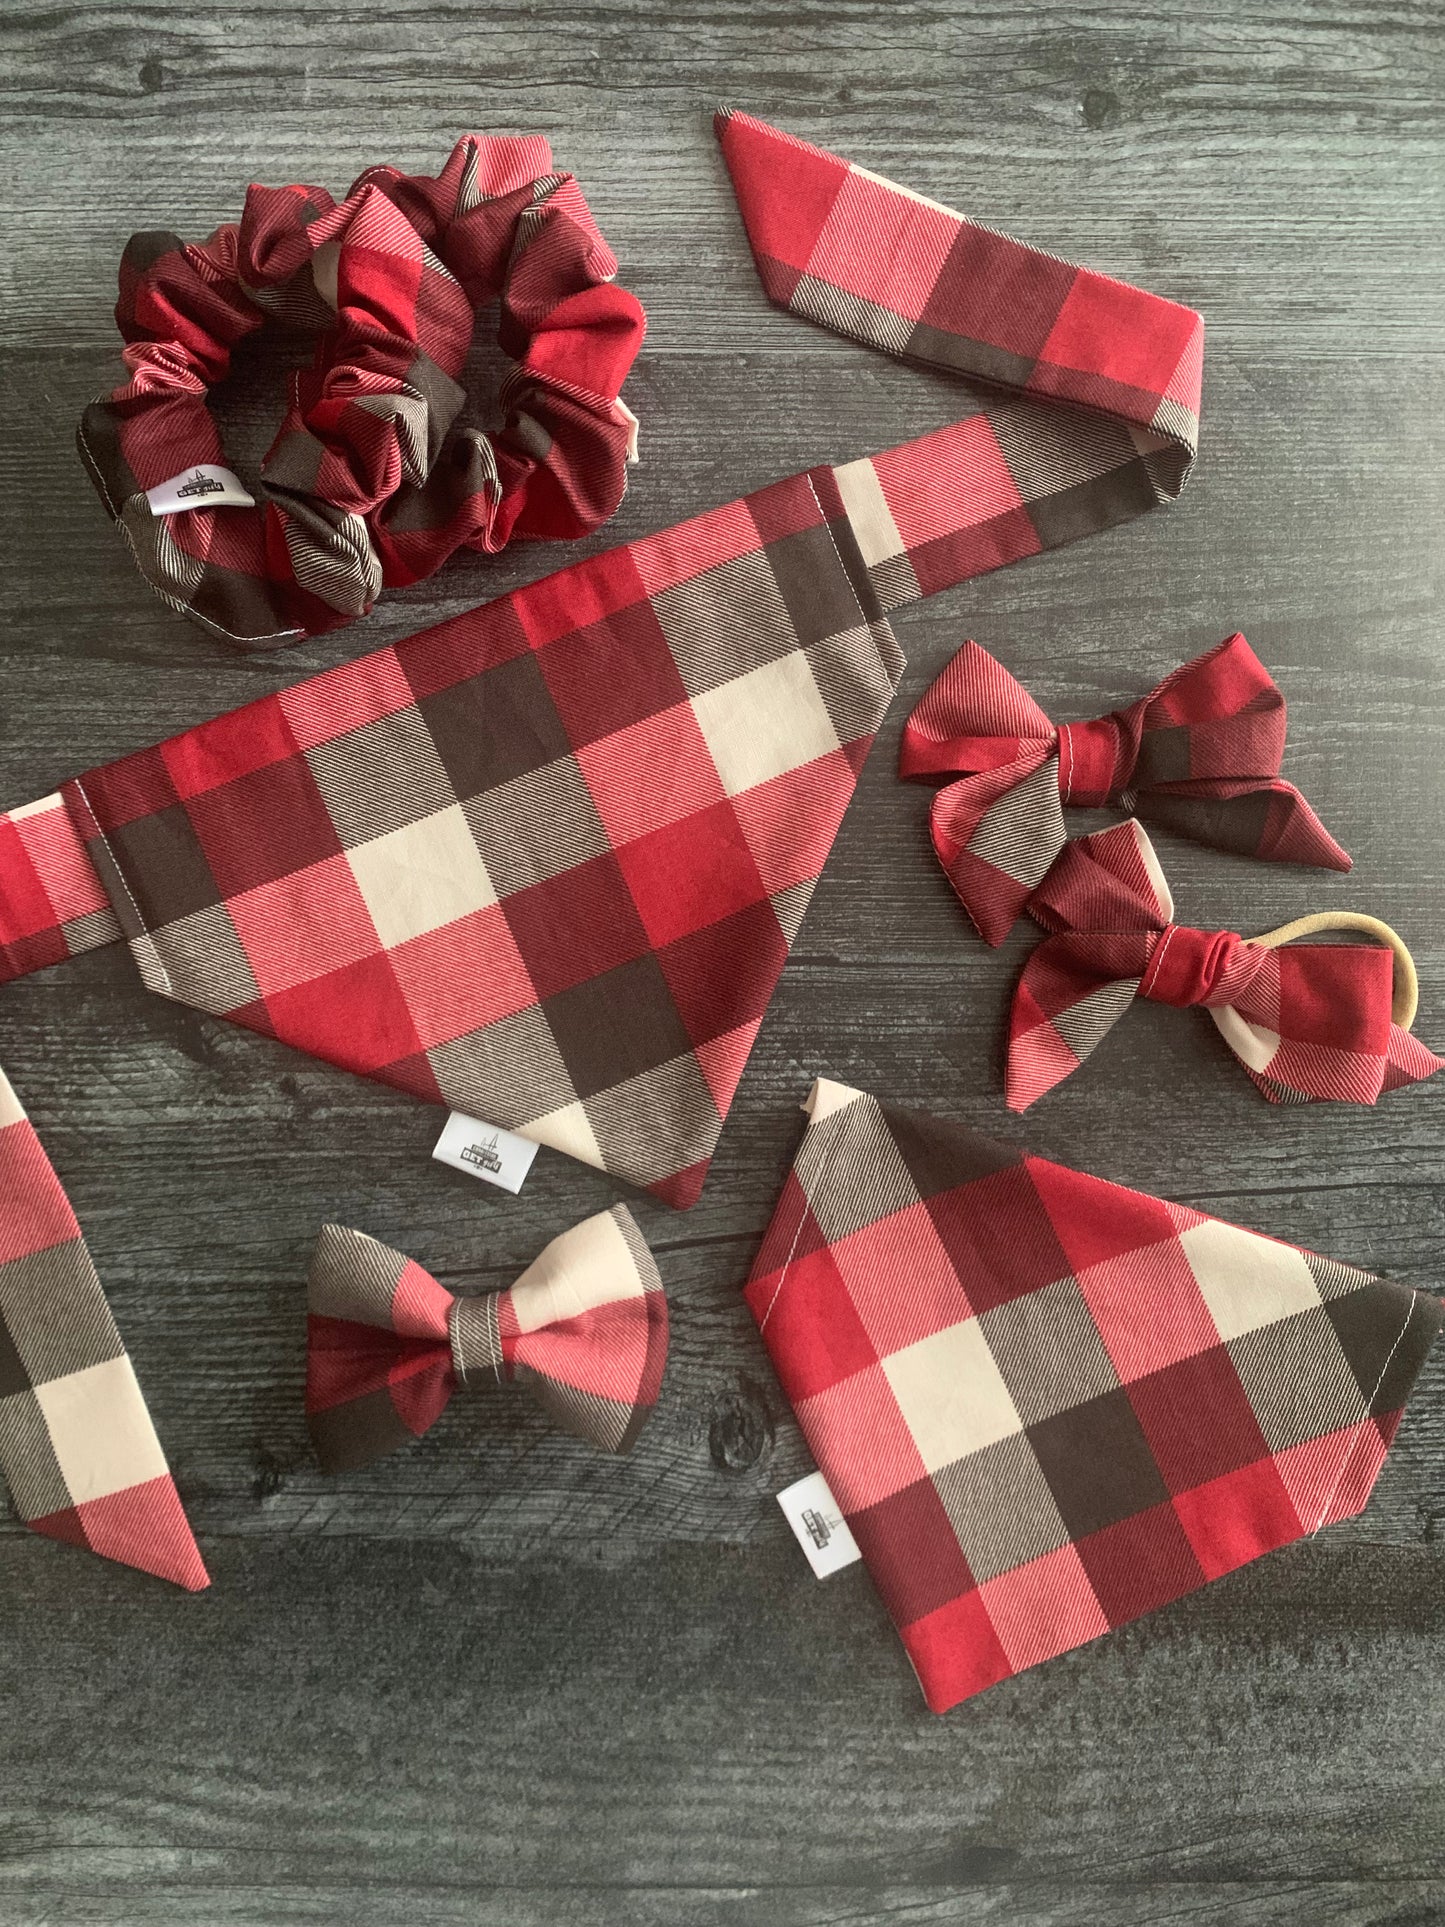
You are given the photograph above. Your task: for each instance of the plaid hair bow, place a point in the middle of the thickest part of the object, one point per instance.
(1047, 1404)
(584, 1327)
(1309, 1023)
(1199, 755)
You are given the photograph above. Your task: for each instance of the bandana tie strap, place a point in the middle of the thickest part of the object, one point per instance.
(78, 1451)
(584, 1329)
(1311, 1023)
(370, 480)
(1199, 755)
(866, 258)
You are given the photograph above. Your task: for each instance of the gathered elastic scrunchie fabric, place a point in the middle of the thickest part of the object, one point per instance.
(370, 479)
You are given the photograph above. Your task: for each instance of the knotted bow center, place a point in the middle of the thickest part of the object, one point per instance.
(474, 1327)
(1090, 754)
(1190, 966)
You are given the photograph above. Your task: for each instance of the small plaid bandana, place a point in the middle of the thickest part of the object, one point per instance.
(1046, 1404)
(544, 862)
(1199, 755)
(584, 1328)
(1310, 1022)
(370, 479)
(77, 1448)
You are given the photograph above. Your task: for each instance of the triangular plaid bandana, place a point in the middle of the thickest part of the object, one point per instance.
(1310, 1022)
(77, 1447)
(544, 863)
(1047, 1404)
(1199, 755)
(584, 1329)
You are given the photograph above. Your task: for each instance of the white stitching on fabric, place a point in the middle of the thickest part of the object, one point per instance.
(1359, 1429)
(1156, 960)
(833, 544)
(129, 894)
(824, 1168)
(172, 602)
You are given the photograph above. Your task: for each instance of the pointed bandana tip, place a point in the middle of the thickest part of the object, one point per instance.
(584, 1328)
(1310, 1022)
(77, 1447)
(1200, 755)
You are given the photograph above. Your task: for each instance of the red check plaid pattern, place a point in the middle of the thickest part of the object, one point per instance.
(77, 1448)
(584, 1329)
(869, 259)
(370, 480)
(52, 903)
(1047, 1405)
(1309, 1023)
(1199, 755)
(544, 862)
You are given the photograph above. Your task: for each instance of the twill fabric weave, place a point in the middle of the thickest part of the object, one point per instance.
(584, 1329)
(372, 477)
(78, 1451)
(1200, 755)
(1046, 1404)
(1310, 1022)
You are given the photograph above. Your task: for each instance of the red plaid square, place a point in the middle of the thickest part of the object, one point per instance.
(1029, 1454)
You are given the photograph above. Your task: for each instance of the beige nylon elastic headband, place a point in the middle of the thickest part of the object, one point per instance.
(1406, 999)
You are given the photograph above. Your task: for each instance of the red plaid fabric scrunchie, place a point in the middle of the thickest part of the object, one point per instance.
(370, 479)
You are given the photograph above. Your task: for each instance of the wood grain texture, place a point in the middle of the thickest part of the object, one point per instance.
(496, 1680)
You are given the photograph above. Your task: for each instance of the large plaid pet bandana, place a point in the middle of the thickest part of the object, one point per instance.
(1310, 1022)
(370, 479)
(1200, 755)
(1046, 1404)
(584, 1329)
(77, 1448)
(544, 862)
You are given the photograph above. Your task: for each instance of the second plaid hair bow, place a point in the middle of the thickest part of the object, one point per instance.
(1200, 755)
(1311, 1022)
(584, 1327)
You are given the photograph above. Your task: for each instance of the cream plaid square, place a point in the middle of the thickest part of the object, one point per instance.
(951, 1394)
(421, 876)
(759, 725)
(1247, 1281)
(100, 1431)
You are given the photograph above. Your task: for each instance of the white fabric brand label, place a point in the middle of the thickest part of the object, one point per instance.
(205, 486)
(819, 1526)
(485, 1151)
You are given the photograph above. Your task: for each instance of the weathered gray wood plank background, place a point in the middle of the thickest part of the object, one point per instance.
(496, 1680)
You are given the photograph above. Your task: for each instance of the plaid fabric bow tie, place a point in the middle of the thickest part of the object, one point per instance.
(77, 1448)
(1308, 1023)
(1199, 755)
(584, 1328)
(1047, 1404)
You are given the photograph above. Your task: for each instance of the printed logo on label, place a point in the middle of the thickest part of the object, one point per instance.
(819, 1526)
(199, 483)
(484, 1154)
(206, 486)
(485, 1151)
